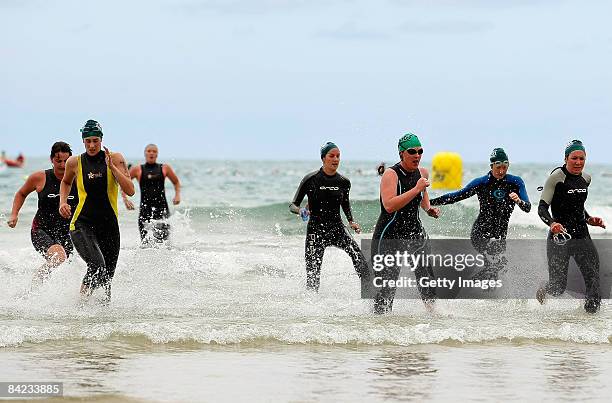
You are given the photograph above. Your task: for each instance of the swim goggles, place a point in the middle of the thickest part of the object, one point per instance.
(500, 163)
(413, 151)
(561, 238)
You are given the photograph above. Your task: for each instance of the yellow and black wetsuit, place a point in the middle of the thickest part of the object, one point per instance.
(94, 228)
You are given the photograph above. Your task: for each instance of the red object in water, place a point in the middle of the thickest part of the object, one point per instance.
(16, 163)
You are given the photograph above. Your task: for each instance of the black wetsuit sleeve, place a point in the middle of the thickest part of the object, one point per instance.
(548, 192)
(524, 204)
(544, 213)
(346, 204)
(294, 207)
(468, 191)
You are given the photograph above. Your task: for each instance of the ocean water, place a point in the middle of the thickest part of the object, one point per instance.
(221, 311)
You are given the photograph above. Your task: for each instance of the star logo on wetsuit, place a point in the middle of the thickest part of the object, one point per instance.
(499, 194)
(92, 175)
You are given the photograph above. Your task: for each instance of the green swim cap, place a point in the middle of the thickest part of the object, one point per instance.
(327, 147)
(408, 140)
(498, 154)
(574, 145)
(91, 129)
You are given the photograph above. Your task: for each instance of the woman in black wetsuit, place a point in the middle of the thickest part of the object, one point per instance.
(565, 193)
(154, 211)
(403, 188)
(49, 231)
(94, 228)
(327, 191)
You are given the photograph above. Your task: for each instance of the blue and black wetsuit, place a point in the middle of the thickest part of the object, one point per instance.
(491, 226)
(48, 226)
(326, 194)
(94, 228)
(153, 203)
(565, 194)
(401, 229)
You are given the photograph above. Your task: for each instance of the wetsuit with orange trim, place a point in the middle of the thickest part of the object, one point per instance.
(94, 228)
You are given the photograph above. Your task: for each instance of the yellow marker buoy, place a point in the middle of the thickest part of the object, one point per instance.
(446, 171)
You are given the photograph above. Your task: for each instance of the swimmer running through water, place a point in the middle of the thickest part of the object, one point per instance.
(498, 192)
(94, 228)
(327, 191)
(50, 231)
(565, 193)
(403, 189)
(151, 177)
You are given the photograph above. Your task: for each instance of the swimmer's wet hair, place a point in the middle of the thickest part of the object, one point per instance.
(60, 147)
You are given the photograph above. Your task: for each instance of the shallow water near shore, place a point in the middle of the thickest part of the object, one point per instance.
(221, 313)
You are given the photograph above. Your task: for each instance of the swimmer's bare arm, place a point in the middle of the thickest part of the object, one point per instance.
(118, 167)
(36, 181)
(169, 173)
(135, 172)
(388, 191)
(425, 205)
(66, 185)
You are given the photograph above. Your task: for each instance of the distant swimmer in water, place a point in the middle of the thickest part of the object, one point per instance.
(49, 231)
(327, 191)
(151, 177)
(94, 228)
(565, 193)
(380, 169)
(403, 189)
(498, 192)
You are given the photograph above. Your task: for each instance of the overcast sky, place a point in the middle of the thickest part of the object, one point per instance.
(274, 79)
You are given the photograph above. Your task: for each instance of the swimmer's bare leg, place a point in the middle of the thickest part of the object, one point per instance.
(55, 256)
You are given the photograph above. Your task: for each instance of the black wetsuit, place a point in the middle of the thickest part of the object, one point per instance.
(566, 194)
(491, 226)
(94, 228)
(401, 231)
(48, 226)
(153, 203)
(326, 194)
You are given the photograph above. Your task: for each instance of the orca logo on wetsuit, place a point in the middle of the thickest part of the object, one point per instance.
(52, 196)
(329, 188)
(576, 191)
(499, 194)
